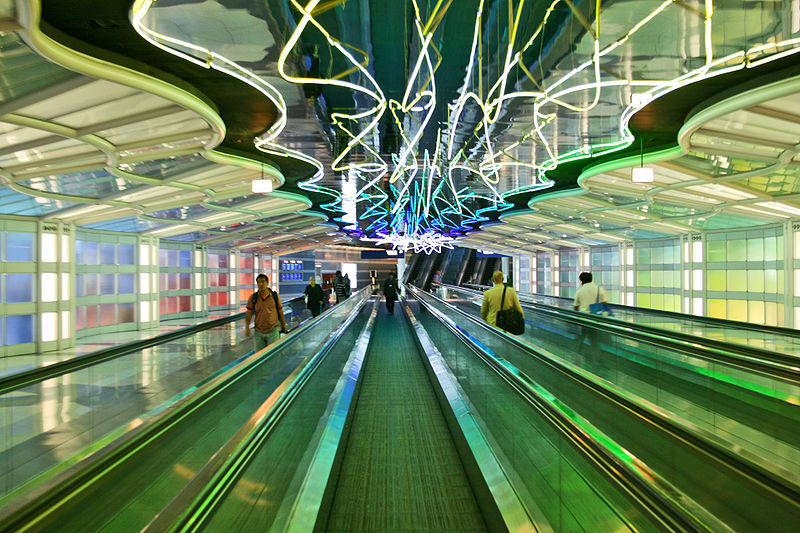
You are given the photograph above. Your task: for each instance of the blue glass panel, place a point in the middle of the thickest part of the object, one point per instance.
(186, 258)
(163, 168)
(182, 213)
(108, 254)
(92, 184)
(126, 283)
(2, 337)
(80, 280)
(90, 284)
(107, 283)
(125, 254)
(90, 253)
(14, 203)
(19, 246)
(172, 258)
(19, 329)
(19, 288)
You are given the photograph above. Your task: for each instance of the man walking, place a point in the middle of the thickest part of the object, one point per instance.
(269, 322)
(390, 292)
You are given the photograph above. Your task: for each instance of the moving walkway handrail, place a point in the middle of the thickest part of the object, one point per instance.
(692, 435)
(717, 322)
(31, 376)
(654, 494)
(51, 494)
(196, 502)
(774, 364)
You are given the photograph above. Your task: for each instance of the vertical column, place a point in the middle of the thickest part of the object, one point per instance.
(200, 274)
(401, 270)
(233, 279)
(698, 274)
(792, 277)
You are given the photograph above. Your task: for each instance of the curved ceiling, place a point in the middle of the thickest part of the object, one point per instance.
(503, 125)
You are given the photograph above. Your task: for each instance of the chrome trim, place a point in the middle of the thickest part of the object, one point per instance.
(513, 512)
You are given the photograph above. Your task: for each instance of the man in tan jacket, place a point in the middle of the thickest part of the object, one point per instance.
(491, 299)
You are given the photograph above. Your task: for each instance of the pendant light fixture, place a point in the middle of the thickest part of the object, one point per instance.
(641, 174)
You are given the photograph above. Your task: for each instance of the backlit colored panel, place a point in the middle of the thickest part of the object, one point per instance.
(716, 280)
(737, 250)
(737, 280)
(717, 308)
(737, 310)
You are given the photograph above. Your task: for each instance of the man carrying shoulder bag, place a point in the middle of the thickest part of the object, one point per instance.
(501, 307)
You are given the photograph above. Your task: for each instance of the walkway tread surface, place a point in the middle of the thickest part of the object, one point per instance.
(401, 471)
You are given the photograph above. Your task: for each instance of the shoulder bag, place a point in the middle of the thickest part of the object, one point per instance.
(510, 320)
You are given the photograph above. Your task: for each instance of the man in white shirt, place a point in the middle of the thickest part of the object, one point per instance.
(588, 294)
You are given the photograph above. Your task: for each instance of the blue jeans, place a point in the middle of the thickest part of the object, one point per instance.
(262, 340)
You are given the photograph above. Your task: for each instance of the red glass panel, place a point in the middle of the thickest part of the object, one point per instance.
(173, 304)
(185, 304)
(108, 314)
(91, 316)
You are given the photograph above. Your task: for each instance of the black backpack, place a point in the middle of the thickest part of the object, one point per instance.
(251, 302)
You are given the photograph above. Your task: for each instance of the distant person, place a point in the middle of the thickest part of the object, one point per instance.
(266, 305)
(437, 276)
(347, 283)
(341, 287)
(390, 292)
(491, 299)
(314, 297)
(588, 294)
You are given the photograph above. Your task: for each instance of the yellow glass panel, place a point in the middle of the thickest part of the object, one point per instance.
(771, 281)
(643, 299)
(755, 249)
(717, 308)
(657, 301)
(737, 310)
(716, 280)
(755, 311)
(781, 317)
(780, 247)
(770, 249)
(737, 250)
(771, 309)
(780, 282)
(737, 280)
(755, 281)
(643, 278)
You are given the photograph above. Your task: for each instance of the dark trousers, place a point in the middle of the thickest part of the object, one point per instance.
(316, 309)
(390, 305)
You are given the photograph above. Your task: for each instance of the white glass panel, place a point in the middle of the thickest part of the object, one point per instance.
(629, 256)
(686, 304)
(49, 286)
(144, 255)
(198, 258)
(697, 280)
(629, 278)
(198, 302)
(797, 282)
(49, 247)
(629, 298)
(65, 249)
(796, 317)
(154, 309)
(697, 251)
(144, 283)
(232, 297)
(686, 279)
(144, 311)
(65, 288)
(586, 259)
(65, 326)
(198, 280)
(697, 306)
(233, 262)
(686, 252)
(49, 327)
(555, 261)
(154, 283)
(797, 245)
(555, 276)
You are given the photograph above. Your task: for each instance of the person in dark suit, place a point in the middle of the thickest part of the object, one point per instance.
(314, 297)
(390, 292)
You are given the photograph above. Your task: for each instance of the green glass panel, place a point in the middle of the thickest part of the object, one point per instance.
(737, 250)
(755, 249)
(658, 256)
(657, 301)
(716, 251)
(771, 281)
(670, 254)
(642, 256)
(643, 278)
(643, 299)
(737, 280)
(770, 249)
(716, 280)
(755, 280)
(657, 278)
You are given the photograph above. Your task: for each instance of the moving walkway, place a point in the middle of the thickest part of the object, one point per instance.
(336, 431)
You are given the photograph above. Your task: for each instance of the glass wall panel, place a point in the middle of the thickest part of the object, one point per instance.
(19, 246)
(19, 288)
(125, 254)
(19, 329)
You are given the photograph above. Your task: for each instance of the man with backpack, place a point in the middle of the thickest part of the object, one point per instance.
(266, 306)
(341, 286)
